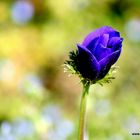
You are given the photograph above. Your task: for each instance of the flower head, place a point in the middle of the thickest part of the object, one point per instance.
(98, 52)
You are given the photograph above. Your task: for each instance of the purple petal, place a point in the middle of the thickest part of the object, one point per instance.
(100, 52)
(93, 44)
(98, 32)
(101, 40)
(114, 34)
(107, 62)
(104, 39)
(87, 63)
(115, 43)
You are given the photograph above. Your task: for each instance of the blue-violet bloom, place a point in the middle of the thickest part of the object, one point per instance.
(98, 52)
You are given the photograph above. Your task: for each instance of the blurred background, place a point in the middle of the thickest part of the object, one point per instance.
(38, 101)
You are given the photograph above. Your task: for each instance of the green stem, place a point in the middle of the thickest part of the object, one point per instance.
(81, 129)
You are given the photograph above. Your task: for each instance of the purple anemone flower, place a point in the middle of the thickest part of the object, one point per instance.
(98, 52)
